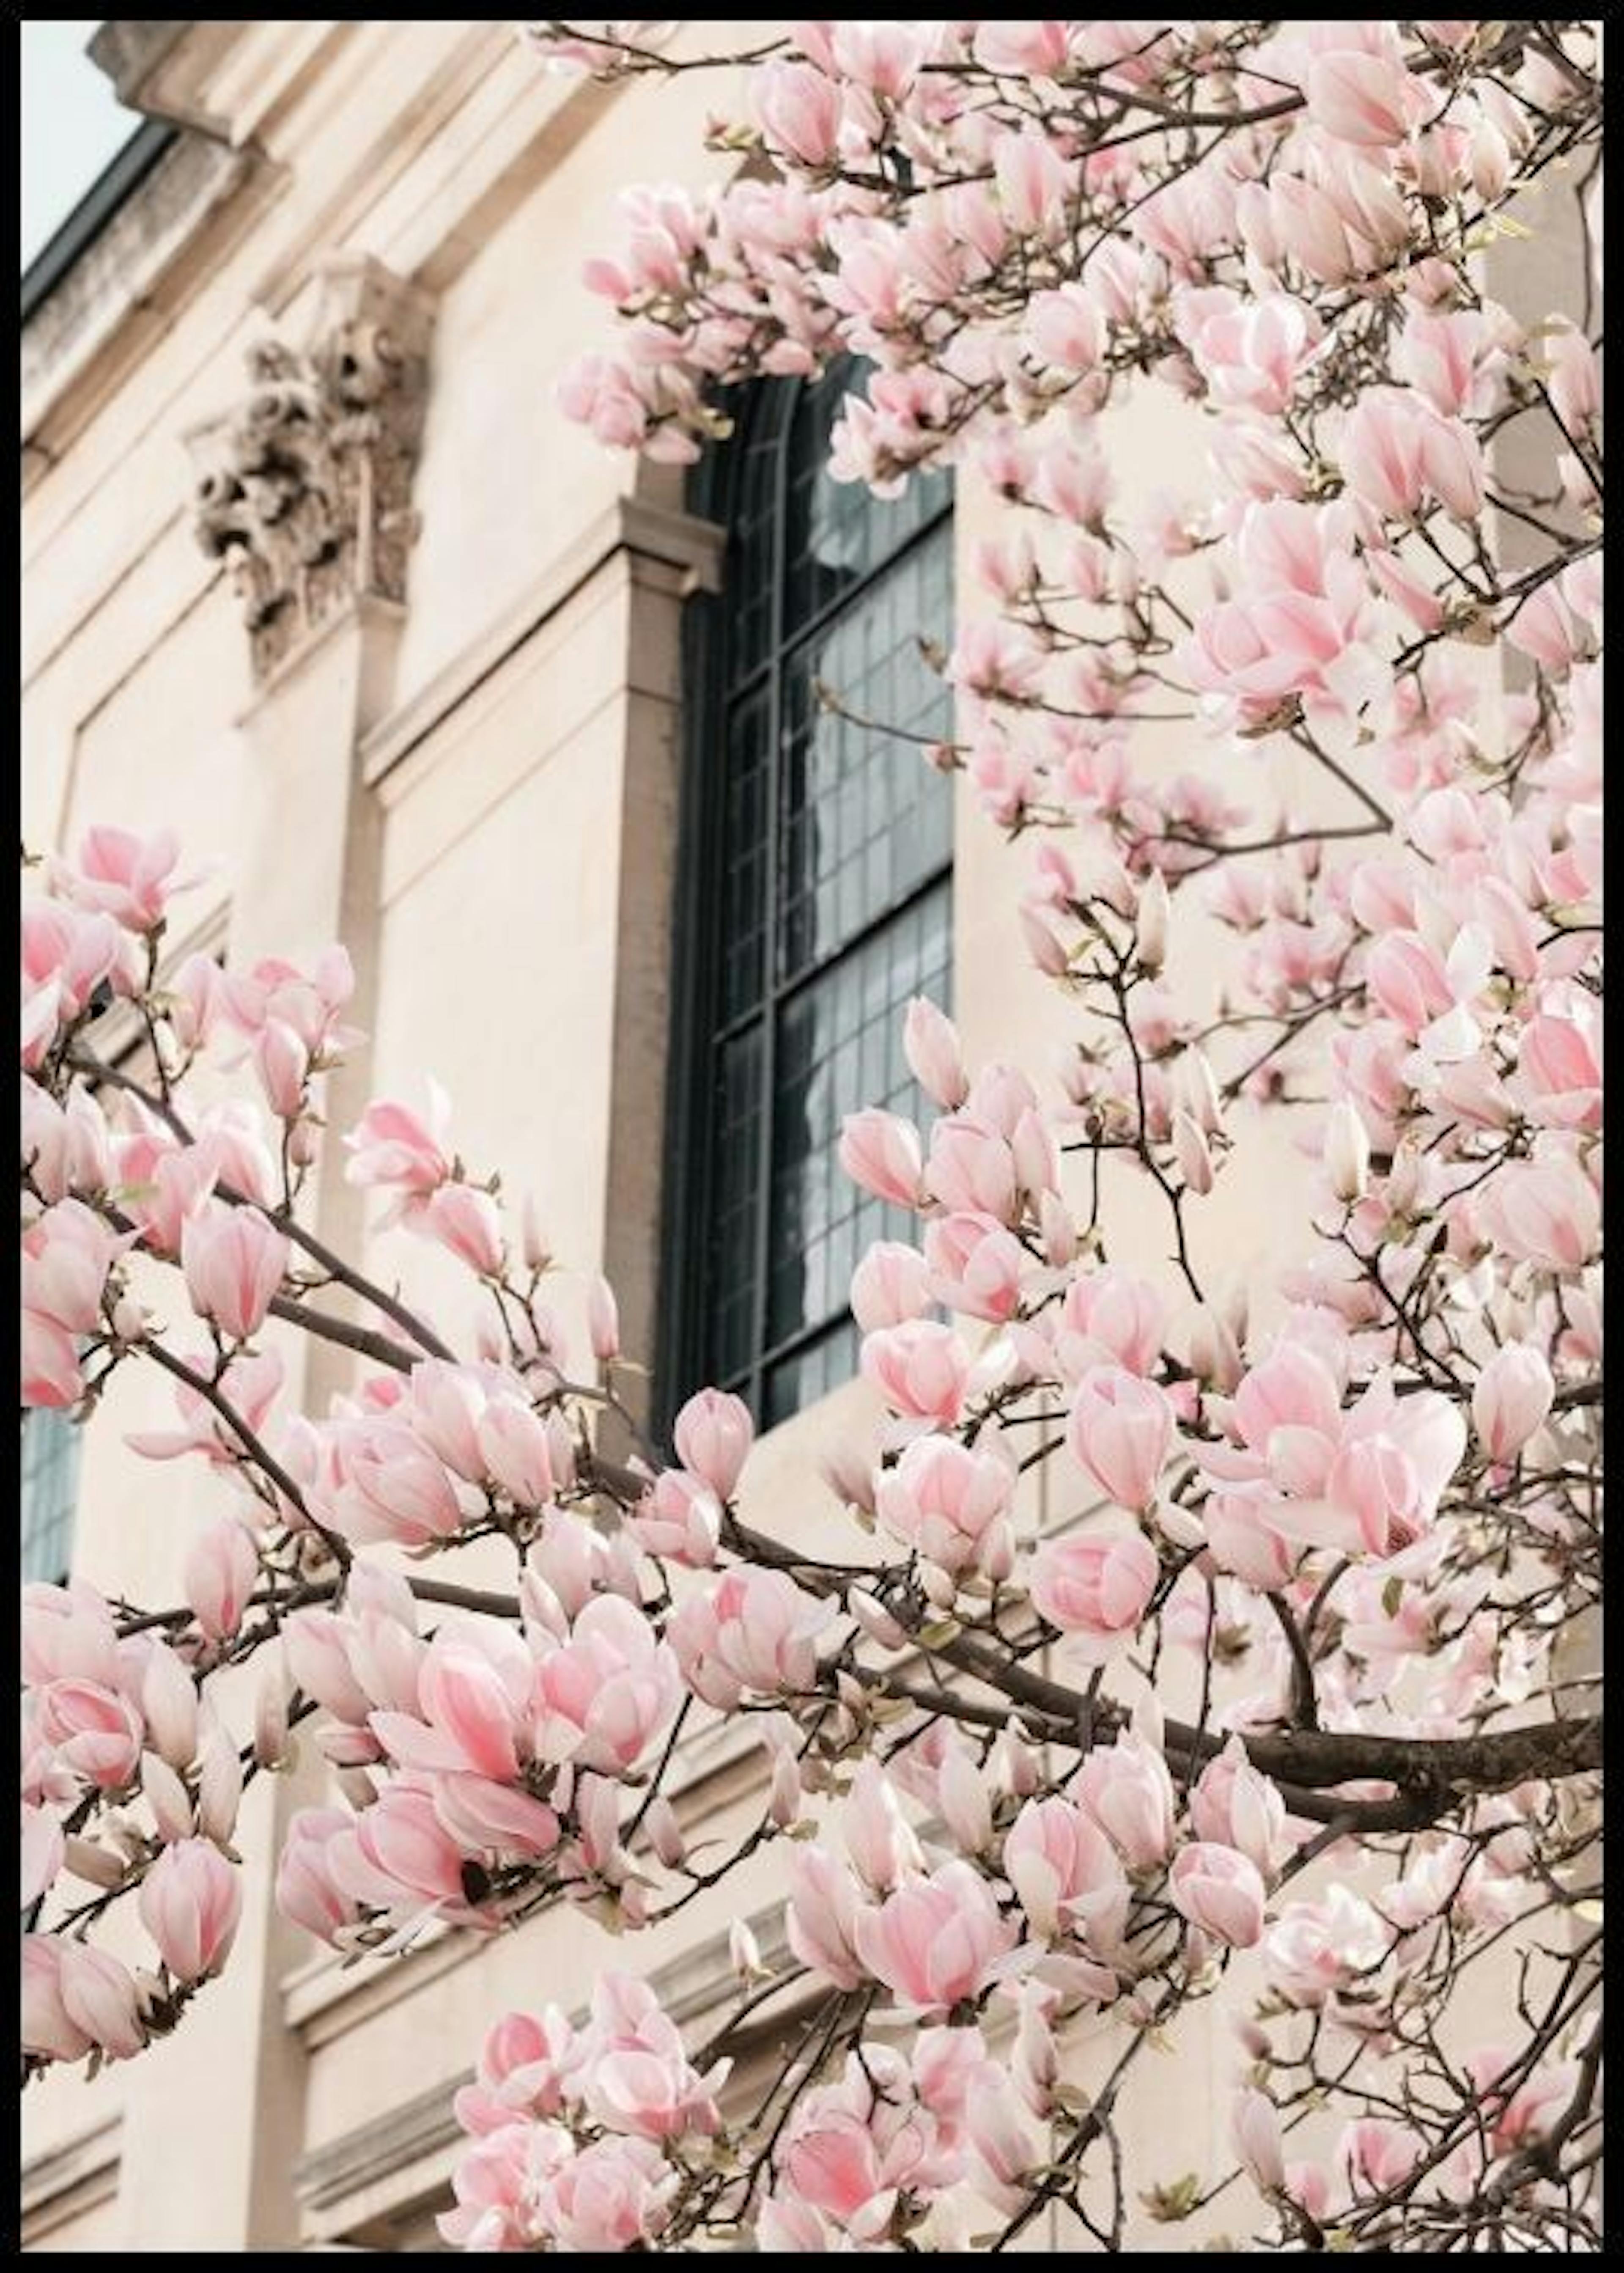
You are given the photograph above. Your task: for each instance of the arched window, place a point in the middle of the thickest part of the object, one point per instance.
(815, 893)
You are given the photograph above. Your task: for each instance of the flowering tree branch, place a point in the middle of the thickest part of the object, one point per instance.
(1347, 1514)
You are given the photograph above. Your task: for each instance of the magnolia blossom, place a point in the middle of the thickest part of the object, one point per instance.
(936, 1941)
(950, 1502)
(1096, 1587)
(1121, 1431)
(190, 1901)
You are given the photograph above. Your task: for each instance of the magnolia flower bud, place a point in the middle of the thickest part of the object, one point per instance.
(602, 1322)
(1198, 1091)
(849, 1477)
(169, 1703)
(1347, 1153)
(664, 1832)
(94, 1863)
(1511, 1399)
(784, 1802)
(1191, 1152)
(1256, 2131)
(875, 1620)
(1150, 924)
(167, 1796)
(1058, 1230)
(940, 1585)
(271, 1712)
(219, 1786)
(744, 1951)
(533, 1245)
(930, 1045)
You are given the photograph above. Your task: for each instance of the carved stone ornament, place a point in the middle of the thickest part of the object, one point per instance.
(304, 489)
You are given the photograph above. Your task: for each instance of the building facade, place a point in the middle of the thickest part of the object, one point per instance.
(317, 572)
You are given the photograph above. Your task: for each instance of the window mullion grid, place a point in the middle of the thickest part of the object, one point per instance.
(761, 1266)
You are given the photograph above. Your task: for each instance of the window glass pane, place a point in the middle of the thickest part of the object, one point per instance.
(753, 573)
(810, 1373)
(743, 882)
(50, 1489)
(839, 532)
(863, 819)
(839, 1049)
(732, 1260)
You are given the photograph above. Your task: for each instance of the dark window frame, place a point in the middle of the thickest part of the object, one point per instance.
(711, 693)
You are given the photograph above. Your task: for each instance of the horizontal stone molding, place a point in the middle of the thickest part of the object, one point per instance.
(678, 541)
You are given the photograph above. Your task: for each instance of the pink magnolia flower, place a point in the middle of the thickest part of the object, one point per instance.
(93, 1730)
(1376, 2153)
(306, 1891)
(891, 1285)
(882, 1846)
(68, 1634)
(971, 1168)
(67, 1253)
(385, 1485)
(120, 875)
(1255, 2129)
(48, 2030)
(394, 1148)
(221, 1567)
(1362, 98)
(1544, 1210)
(1034, 181)
(42, 1845)
(1110, 1315)
(464, 1221)
(880, 1151)
(751, 1630)
(635, 2077)
(800, 111)
(1383, 1487)
(1558, 1071)
(1231, 1804)
(235, 1262)
(614, 2195)
(498, 2181)
(1095, 1587)
(920, 1368)
(1121, 1431)
(950, 1502)
(99, 1996)
(190, 1901)
(937, 1940)
(679, 1520)
(398, 1857)
(1067, 1874)
(51, 1374)
(1315, 1948)
(712, 1435)
(1218, 1889)
(601, 1698)
(977, 1265)
(1126, 1790)
(820, 1918)
(1511, 1398)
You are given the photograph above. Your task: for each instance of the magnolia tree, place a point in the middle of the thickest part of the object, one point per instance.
(1353, 1521)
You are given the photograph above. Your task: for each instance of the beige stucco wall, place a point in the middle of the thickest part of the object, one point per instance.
(480, 794)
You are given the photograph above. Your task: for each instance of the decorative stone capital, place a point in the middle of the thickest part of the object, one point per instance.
(304, 489)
